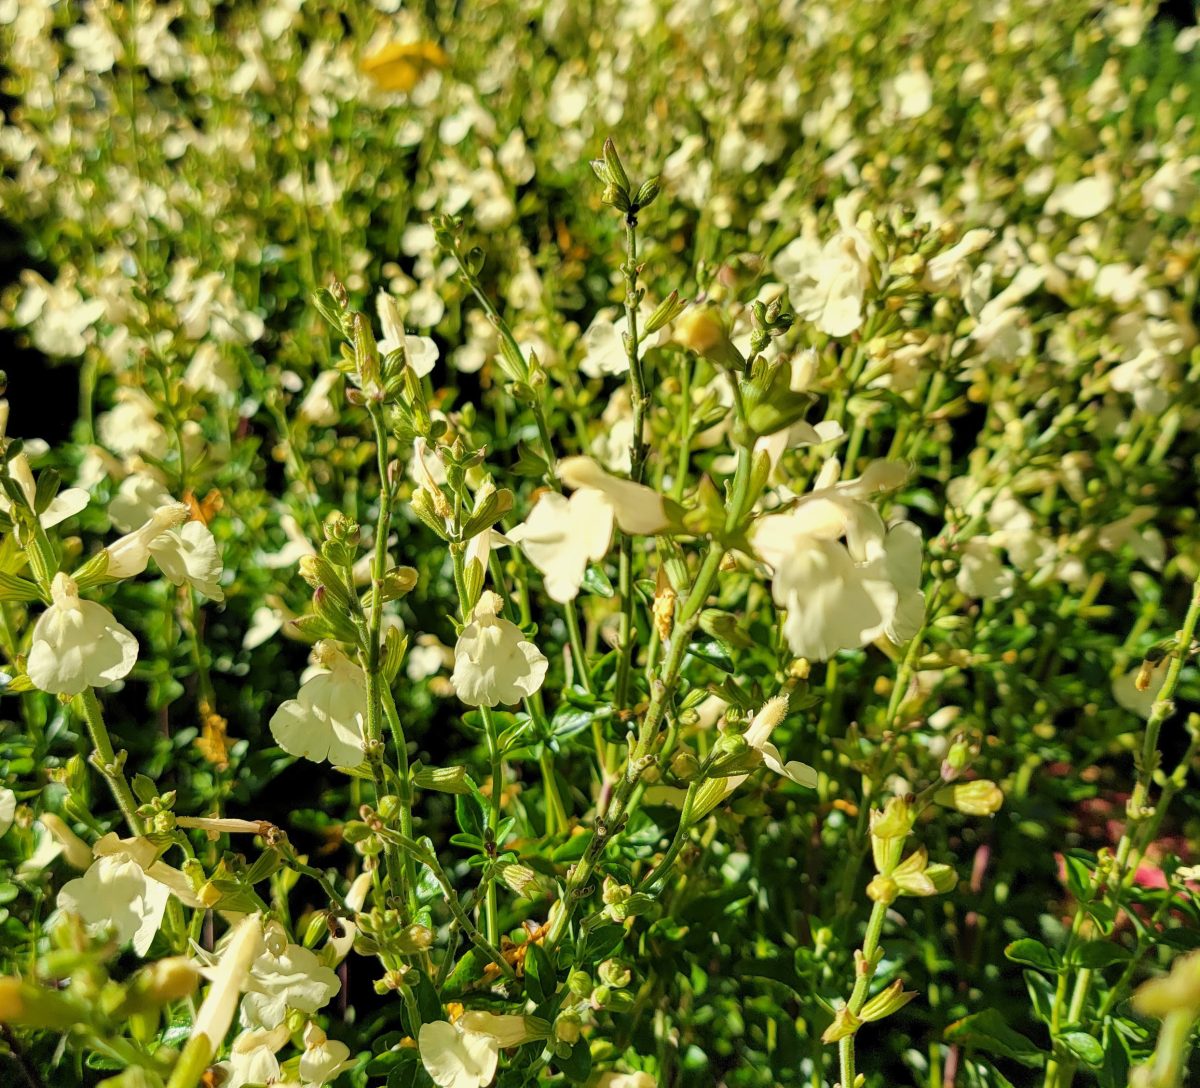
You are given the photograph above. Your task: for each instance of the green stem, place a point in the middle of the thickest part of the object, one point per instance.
(858, 996)
(1060, 1070)
(637, 458)
(427, 858)
(106, 760)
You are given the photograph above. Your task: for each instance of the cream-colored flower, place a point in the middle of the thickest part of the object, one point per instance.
(506, 1030)
(639, 510)
(185, 551)
(190, 555)
(981, 572)
(1083, 199)
(8, 809)
(910, 93)
(285, 976)
(827, 282)
(131, 426)
(758, 737)
(493, 661)
(1140, 700)
(230, 975)
(129, 555)
(318, 407)
(420, 352)
(457, 1058)
(64, 505)
(211, 372)
(325, 721)
(78, 644)
(323, 1058)
(603, 344)
(841, 596)
(116, 893)
(562, 536)
(252, 1058)
(627, 1080)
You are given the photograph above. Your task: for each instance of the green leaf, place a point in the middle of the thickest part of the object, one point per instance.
(576, 1066)
(1085, 1047)
(569, 720)
(540, 978)
(601, 942)
(1095, 955)
(1032, 952)
(409, 1072)
(989, 1030)
(469, 814)
(714, 652)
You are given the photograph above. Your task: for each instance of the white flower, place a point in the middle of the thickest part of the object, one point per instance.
(286, 976)
(948, 267)
(64, 505)
(826, 283)
(758, 736)
(457, 1058)
(293, 551)
(252, 1058)
(1083, 199)
(639, 510)
(841, 596)
(128, 556)
(8, 809)
(912, 93)
(211, 372)
(507, 1030)
(323, 1058)
(981, 573)
(116, 892)
(78, 644)
(185, 553)
(1147, 544)
(190, 555)
(493, 661)
(420, 352)
(603, 346)
(1140, 701)
(325, 721)
(130, 427)
(561, 536)
(240, 949)
(627, 1080)
(317, 406)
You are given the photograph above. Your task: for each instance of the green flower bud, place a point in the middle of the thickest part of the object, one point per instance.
(443, 779)
(580, 983)
(567, 1028)
(616, 974)
(886, 1002)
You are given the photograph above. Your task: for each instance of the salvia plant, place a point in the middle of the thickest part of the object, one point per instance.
(630, 544)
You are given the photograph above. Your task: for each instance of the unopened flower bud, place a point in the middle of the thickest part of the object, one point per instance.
(616, 974)
(443, 779)
(886, 1002)
(685, 765)
(567, 1028)
(981, 797)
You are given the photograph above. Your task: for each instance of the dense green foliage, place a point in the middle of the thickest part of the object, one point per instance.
(734, 466)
